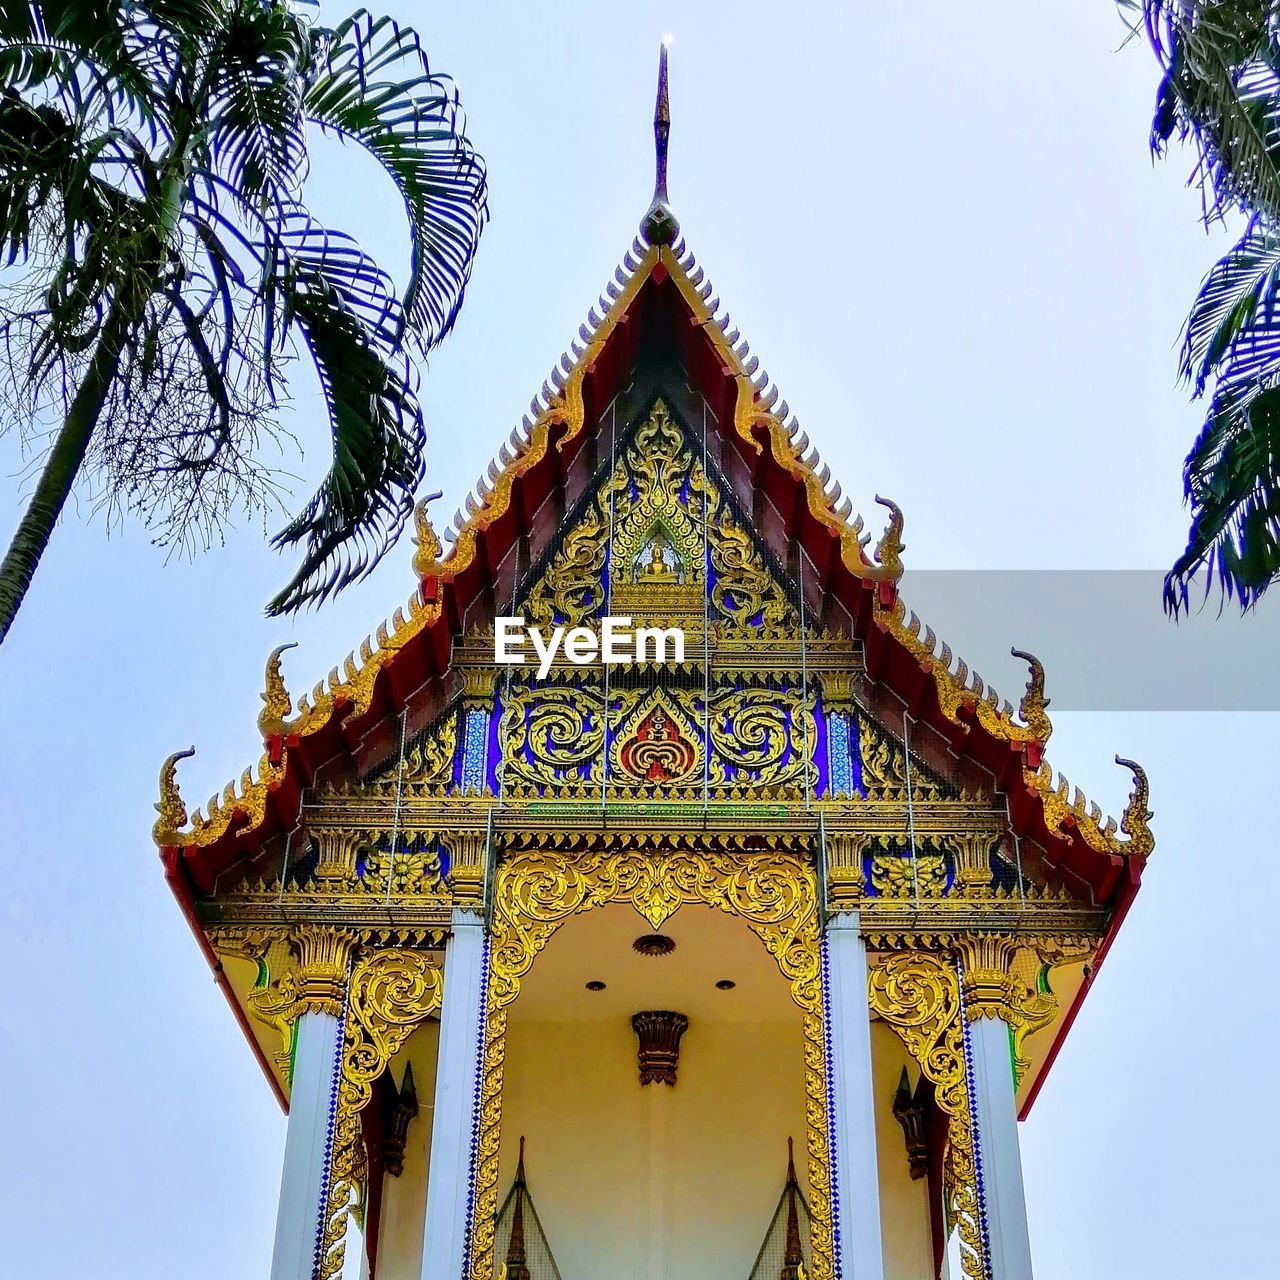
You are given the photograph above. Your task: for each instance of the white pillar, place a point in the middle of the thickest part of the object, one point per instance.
(315, 1066)
(453, 1119)
(996, 1116)
(857, 1223)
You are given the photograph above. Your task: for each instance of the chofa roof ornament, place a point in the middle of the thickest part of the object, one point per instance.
(659, 225)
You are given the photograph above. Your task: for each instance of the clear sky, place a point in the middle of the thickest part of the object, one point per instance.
(941, 230)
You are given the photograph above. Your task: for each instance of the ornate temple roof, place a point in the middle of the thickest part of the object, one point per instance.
(348, 720)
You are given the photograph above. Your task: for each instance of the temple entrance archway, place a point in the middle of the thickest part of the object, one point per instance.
(771, 895)
(680, 1180)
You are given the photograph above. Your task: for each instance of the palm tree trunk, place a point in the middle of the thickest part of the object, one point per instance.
(60, 470)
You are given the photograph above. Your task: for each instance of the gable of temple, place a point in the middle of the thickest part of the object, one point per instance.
(757, 710)
(659, 477)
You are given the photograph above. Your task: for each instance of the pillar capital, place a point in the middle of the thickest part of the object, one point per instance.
(837, 689)
(990, 987)
(321, 978)
(467, 850)
(478, 685)
(973, 861)
(996, 984)
(336, 860)
(844, 850)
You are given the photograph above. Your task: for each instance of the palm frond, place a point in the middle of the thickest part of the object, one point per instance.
(1232, 343)
(1221, 92)
(345, 308)
(162, 269)
(372, 85)
(256, 122)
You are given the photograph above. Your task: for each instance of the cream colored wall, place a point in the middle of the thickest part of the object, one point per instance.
(616, 1169)
(606, 1157)
(904, 1204)
(404, 1199)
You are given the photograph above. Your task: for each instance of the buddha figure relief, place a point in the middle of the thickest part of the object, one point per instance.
(652, 564)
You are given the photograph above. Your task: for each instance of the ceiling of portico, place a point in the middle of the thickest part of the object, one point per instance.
(710, 947)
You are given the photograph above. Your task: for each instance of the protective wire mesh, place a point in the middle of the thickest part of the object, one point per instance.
(521, 1251)
(786, 1243)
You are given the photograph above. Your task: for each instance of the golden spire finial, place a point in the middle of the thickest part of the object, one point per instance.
(659, 225)
(173, 813)
(1033, 706)
(276, 702)
(426, 559)
(890, 547)
(1137, 817)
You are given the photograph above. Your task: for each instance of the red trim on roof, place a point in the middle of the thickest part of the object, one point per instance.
(180, 884)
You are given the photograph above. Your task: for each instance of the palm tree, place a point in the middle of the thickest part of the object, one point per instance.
(161, 269)
(1220, 92)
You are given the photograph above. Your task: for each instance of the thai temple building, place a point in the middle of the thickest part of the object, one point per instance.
(735, 961)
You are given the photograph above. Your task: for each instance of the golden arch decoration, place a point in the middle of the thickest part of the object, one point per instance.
(536, 892)
(391, 993)
(918, 995)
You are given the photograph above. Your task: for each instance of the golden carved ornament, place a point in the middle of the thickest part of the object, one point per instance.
(277, 705)
(273, 1002)
(884, 766)
(918, 995)
(427, 771)
(1137, 817)
(277, 1007)
(995, 985)
(973, 851)
(1033, 708)
(426, 556)
(1065, 808)
(535, 892)
(172, 812)
(553, 738)
(316, 983)
(896, 876)
(570, 589)
(478, 684)
(323, 957)
(392, 993)
(890, 547)
(641, 503)
(659, 463)
(837, 690)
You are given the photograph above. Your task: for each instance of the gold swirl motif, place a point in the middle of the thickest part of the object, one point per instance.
(392, 992)
(766, 735)
(744, 588)
(552, 737)
(774, 894)
(657, 491)
(571, 591)
(918, 995)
